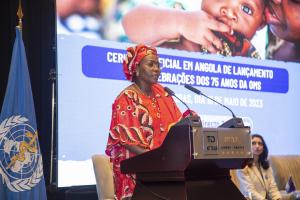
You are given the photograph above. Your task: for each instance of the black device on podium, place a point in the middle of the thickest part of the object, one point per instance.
(192, 163)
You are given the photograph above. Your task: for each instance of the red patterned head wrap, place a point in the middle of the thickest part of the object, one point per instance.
(134, 56)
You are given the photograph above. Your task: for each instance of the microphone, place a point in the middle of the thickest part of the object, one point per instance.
(195, 90)
(171, 93)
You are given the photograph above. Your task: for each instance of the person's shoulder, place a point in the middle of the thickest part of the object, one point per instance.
(246, 169)
(128, 92)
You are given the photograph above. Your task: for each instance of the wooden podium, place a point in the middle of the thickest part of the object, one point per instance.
(193, 163)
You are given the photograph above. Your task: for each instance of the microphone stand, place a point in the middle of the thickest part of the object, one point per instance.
(52, 78)
(234, 122)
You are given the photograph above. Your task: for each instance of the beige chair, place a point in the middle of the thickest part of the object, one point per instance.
(104, 177)
(283, 167)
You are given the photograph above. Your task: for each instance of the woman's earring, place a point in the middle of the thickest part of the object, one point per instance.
(137, 73)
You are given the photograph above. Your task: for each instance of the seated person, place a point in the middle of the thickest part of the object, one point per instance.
(257, 180)
(142, 115)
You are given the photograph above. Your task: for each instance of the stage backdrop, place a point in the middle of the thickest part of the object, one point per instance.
(90, 50)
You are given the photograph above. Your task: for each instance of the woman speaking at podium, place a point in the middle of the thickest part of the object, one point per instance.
(141, 115)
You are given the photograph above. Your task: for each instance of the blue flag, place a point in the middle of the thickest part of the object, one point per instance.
(21, 166)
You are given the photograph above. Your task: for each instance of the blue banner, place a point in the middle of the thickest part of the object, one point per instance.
(21, 167)
(106, 63)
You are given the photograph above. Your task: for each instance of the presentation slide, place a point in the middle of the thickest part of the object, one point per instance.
(264, 93)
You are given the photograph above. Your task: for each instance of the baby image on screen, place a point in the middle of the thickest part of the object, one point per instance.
(225, 27)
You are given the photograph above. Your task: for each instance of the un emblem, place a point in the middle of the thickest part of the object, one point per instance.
(21, 162)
